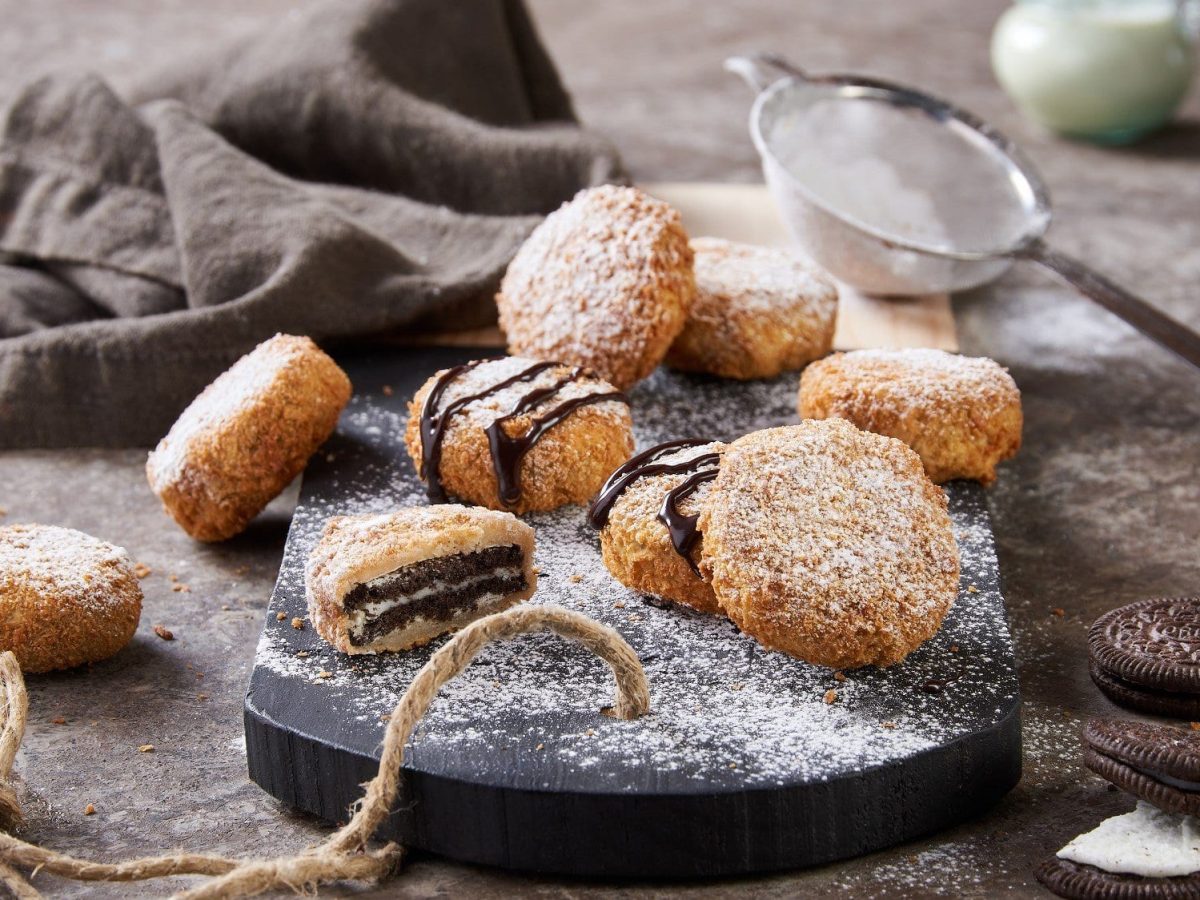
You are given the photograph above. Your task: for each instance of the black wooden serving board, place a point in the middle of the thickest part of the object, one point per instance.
(741, 765)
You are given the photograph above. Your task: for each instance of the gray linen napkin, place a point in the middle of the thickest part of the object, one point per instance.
(364, 165)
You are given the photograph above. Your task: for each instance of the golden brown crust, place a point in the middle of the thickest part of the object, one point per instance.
(247, 436)
(759, 311)
(636, 546)
(66, 598)
(604, 282)
(567, 464)
(355, 549)
(830, 544)
(962, 415)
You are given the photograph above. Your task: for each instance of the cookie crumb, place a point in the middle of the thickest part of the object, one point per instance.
(226, 607)
(180, 588)
(165, 633)
(1058, 611)
(89, 810)
(888, 724)
(733, 765)
(589, 733)
(146, 748)
(575, 579)
(972, 589)
(298, 623)
(58, 720)
(620, 604)
(830, 696)
(301, 654)
(324, 673)
(202, 696)
(387, 390)
(839, 676)
(540, 747)
(737, 686)
(141, 570)
(280, 616)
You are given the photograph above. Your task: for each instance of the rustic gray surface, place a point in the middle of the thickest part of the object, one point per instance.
(1101, 507)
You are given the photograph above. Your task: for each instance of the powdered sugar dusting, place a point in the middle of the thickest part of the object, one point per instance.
(841, 523)
(61, 564)
(922, 378)
(763, 280)
(604, 281)
(724, 711)
(229, 395)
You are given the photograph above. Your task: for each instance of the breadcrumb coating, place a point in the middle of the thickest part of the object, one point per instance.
(962, 415)
(66, 598)
(830, 544)
(246, 436)
(604, 282)
(759, 311)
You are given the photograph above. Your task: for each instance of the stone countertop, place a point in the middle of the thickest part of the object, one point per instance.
(1101, 507)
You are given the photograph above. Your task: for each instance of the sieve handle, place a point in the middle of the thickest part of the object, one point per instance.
(1157, 326)
(761, 70)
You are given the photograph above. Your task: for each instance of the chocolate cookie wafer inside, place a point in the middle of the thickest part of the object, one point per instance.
(432, 589)
(394, 581)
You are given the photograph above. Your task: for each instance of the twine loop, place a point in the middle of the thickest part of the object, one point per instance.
(346, 855)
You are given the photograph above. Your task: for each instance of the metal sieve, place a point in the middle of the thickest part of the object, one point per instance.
(898, 193)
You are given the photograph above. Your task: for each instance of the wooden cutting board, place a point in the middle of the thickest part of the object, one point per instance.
(741, 766)
(746, 212)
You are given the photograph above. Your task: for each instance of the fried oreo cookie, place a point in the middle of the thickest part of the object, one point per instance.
(1146, 656)
(1157, 763)
(647, 514)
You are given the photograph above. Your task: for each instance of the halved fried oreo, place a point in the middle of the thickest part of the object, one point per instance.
(398, 580)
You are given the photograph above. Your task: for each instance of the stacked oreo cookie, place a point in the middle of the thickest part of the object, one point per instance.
(1146, 656)
(1154, 851)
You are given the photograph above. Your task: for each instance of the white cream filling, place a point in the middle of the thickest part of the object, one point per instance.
(357, 619)
(1147, 842)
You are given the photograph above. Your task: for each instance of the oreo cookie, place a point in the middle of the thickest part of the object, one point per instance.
(1078, 881)
(1152, 852)
(1157, 763)
(1146, 656)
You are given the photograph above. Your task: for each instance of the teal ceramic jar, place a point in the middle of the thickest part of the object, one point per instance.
(1101, 70)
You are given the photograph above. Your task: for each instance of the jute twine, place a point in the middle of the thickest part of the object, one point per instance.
(346, 854)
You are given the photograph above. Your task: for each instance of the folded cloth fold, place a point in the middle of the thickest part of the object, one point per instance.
(361, 166)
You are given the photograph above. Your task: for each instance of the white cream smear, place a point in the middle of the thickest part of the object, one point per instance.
(1146, 842)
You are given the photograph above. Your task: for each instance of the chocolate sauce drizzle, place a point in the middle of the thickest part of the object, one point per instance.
(681, 528)
(507, 450)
